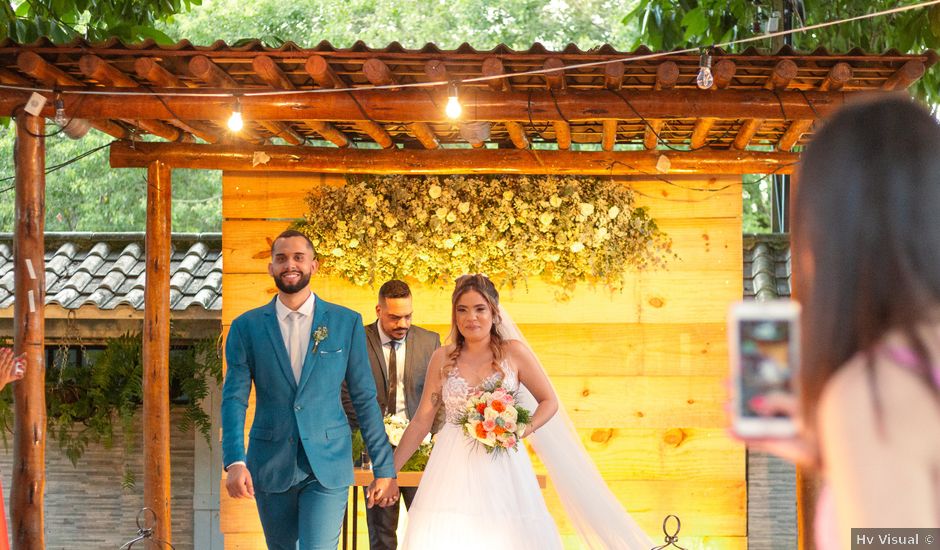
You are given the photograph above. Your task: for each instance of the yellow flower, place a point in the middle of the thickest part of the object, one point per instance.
(390, 220)
(371, 201)
(434, 191)
(508, 195)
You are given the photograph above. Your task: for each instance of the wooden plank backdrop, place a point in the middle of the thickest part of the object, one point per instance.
(641, 371)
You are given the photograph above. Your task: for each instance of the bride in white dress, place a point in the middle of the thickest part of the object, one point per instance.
(471, 499)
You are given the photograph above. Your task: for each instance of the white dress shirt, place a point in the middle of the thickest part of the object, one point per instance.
(306, 322)
(400, 368)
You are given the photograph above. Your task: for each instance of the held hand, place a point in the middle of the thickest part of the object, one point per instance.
(382, 491)
(238, 483)
(11, 368)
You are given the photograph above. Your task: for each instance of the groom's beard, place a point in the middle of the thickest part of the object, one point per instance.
(301, 284)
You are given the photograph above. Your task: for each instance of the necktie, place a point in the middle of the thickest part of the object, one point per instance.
(392, 403)
(295, 345)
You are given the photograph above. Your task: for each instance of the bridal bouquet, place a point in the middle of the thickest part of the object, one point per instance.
(394, 427)
(493, 418)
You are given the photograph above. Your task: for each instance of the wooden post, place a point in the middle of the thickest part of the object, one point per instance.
(29, 394)
(156, 349)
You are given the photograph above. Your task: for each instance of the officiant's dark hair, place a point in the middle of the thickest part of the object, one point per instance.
(289, 233)
(483, 286)
(394, 289)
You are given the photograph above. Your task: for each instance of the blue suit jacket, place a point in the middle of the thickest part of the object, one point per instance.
(309, 413)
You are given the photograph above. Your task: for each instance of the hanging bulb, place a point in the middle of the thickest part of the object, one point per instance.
(235, 122)
(704, 80)
(453, 108)
(60, 118)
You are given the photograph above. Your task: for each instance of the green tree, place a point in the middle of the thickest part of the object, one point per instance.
(483, 24)
(89, 195)
(63, 20)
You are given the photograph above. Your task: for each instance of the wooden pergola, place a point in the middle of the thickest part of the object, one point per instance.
(380, 111)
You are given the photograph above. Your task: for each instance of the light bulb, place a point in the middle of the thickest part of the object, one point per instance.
(705, 80)
(453, 108)
(60, 118)
(235, 122)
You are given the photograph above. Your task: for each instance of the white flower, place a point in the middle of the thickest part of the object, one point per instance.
(577, 246)
(441, 212)
(451, 217)
(434, 191)
(353, 243)
(546, 218)
(555, 201)
(463, 207)
(601, 234)
(613, 212)
(338, 252)
(390, 220)
(508, 195)
(587, 209)
(449, 243)
(371, 201)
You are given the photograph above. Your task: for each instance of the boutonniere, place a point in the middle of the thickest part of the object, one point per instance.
(319, 335)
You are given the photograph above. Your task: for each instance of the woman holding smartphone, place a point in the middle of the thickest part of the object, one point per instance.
(866, 248)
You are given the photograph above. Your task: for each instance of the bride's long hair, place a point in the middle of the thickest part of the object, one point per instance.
(483, 286)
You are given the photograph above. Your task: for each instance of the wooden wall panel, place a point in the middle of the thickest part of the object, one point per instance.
(641, 372)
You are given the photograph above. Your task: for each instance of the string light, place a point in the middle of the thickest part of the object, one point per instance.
(60, 118)
(705, 80)
(235, 122)
(453, 108)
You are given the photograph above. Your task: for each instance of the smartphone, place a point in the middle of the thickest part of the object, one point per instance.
(764, 347)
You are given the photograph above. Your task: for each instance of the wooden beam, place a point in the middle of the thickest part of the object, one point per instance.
(377, 132)
(517, 135)
(723, 72)
(415, 105)
(908, 74)
(150, 70)
(29, 282)
(609, 135)
(747, 131)
(793, 133)
(555, 80)
(9, 77)
(425, 135)
(667, 74)
(562, 134)
(270, 73)
(436, 70)
(613, 75)
(156, 349)
(700, 131)
(378, 73)
(206, 70)
(447, 161)
(319, 69)
(784, 72)
(650, 137)
(493, 66)
(838, 75)
(98, 69)
(50, 75)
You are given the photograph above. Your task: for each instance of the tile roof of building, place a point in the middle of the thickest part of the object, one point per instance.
(767, 266)
(106, 270)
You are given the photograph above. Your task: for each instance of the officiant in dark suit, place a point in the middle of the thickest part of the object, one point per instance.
(399, 353)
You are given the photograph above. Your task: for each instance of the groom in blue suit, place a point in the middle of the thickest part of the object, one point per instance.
(298, 350)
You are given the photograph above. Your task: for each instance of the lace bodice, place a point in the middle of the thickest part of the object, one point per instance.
(456, 389)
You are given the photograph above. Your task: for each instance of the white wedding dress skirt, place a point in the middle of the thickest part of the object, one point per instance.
(470, 499)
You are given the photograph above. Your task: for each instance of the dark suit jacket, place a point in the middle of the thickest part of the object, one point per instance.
(419, 346)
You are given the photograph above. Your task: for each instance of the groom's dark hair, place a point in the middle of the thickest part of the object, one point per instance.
(394, 289)
(288, 233)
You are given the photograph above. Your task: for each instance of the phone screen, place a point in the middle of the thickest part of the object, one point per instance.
(766, 358)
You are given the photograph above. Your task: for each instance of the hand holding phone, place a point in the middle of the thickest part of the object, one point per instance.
(764, 348)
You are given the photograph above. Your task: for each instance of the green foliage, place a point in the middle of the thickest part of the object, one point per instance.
(62, 20)
(85, 403)
(668, 24)
(417, 462)
(518, 23)
(89, 195)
